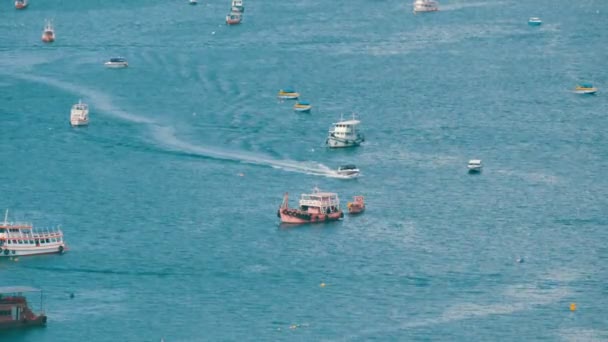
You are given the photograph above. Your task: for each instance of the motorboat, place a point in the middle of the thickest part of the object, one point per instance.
(20, 239)
(238, 6)
(357, 206)
(535, 21)
(192, 2)
(345, 133)
(116, 62)
(21, 4)
(48, 34)
(425, 6)
(234, 18)
(15, 309)
(79, 115)
(302, 106)
(474, 166)
(585, 88)
(315, 207)
(288, 94)
(348, 170)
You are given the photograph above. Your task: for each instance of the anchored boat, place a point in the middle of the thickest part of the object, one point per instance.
(288, 94)
(535, 21)
(357, 206)
(234, 18)
(20, 239)
(474, 166)
(425, 6)
(585, 88)
(302, 106)
(21, 4)
(345, 133)
(116, 62)
(15, 311)
(238, 6)
(313, 208)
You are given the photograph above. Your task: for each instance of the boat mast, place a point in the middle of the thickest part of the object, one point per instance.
(6, 217)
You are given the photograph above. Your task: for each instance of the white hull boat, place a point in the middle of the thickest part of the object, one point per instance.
(79, 115)
(474, 166)
(425, 6)
(345, 133)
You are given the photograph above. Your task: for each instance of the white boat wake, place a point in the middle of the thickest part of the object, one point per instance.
(167, 138)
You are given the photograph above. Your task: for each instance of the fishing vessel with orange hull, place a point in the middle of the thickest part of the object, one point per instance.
(15, 311)
(357, 206)
(313, 208)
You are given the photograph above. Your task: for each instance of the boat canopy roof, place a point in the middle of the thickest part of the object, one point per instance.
(585, 85)
(474, 161)
(288, 90)
(348, 167)
(17, 289)
(304, 103)
(117, 59)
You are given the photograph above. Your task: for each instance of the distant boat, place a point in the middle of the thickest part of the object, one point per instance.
(79, 115)
(117, 62)
(238, 6)
(15, 309)
(288, 94)
(48, 34)
(193, 2)
(474, 166)
(20, 239)
(234, 18)
(535, 21)
(314, 208)
(21, 4)
(425, 6)
(585, 88)
(345, 133)
(302, 106)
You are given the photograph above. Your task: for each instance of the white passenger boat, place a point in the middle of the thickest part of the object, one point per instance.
(116, 62)
(79, 115)
(345, 133)
(474, 166)
(425, 6)
(20, 239)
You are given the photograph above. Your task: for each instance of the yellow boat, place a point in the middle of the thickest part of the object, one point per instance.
(302, 106)
(288, 94)
(585, 88)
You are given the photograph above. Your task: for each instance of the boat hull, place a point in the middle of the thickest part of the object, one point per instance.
(294, 216)
(20, 6)
(77, 122)
(288, 96)
(47, 38)
(116, 65)
(233, 21)
(334, 142)
(302, 109)
(33, 250)
(38, 321)
(356, 209)
(535, 23)
(585, 91)
(475, 170)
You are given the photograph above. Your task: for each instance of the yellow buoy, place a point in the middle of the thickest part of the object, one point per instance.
(322, 285)
(572, 306)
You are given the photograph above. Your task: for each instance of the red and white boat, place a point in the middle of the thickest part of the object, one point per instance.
(314, 208)
(20, 239)
(15, 311)
(357, 206)
(48, 34)
(21, 4)
(234, 18)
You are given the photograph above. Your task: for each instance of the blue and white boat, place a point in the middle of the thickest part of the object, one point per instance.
(288, 94)
(302, 106)
(116, 62)
(585, 88)
(535, 21)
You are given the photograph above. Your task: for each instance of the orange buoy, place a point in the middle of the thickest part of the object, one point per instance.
(572, 306)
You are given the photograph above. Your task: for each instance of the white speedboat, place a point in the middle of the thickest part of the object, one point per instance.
(425, 6)
(193, 2)
(348, 170)
(238, 6)
(535, 21)
(345, 133)
(116, 62)
(79, 116)
(585, 88)
(474, 166)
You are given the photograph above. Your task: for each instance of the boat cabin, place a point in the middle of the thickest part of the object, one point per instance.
(320, 202)
(348, 167)
(117, 60)
(15, 311)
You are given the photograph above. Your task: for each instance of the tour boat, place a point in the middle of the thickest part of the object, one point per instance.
(116, 62)
(19, 239)
(238, 6)
(288, 94)
(345, 133)
(21, 4)
(357, 206)
(302, 106)
(48, 34)
(474, 166)
(585, 88)
(535, 21)
(425, 6)
(349, 170)
(315, 207)
(192, 2)
(234, 18)
(79, 116)
(15, 311)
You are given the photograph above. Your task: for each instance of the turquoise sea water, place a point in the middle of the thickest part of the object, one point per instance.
(168, 240)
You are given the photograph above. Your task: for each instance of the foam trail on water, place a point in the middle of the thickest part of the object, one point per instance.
(167, 137)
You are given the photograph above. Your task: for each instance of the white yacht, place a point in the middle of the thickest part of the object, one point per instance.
(116, 62)
(349, 171)
(238, 6)
(474, 166)
(425, 6)
(79, 115)
(345, 133)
